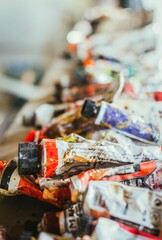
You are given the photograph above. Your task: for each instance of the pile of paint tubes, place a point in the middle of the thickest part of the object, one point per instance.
(95, 152)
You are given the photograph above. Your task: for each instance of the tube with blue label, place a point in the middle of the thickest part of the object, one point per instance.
(108, 115)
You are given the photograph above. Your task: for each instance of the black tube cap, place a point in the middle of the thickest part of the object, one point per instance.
(28, 162)
(89, 109)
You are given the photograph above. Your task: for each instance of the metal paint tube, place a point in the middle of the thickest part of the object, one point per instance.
(44, 113)
(113, 117)
(147, 111)
(14, 184)
(135, 207)
(69, 122)
(11, 183)
(60, 159)
(144, 175)
(112, 230)
(67, 221)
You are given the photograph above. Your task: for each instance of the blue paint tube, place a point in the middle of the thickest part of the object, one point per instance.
(108, 115)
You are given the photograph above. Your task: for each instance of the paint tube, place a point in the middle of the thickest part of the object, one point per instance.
(72, 220)
(148, 111)
(144, 174)
(67, 123)
(14, 184)
(11, 183)
(60, 159)
(113, 117)
(135, 207)
(107, 229)
(44, 113)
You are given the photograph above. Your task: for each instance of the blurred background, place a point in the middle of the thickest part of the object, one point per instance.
(33, 34)
(53, 53)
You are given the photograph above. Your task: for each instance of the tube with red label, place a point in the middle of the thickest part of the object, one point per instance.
(144, 174)
(60, 159)
(11, 183)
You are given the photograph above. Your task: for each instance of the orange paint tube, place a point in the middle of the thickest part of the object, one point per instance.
(12, 183)
(144, 174)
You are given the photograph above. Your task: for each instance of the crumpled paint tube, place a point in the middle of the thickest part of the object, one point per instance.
(70, 121)
(107, 229)
(62, 125)
(44, 113)
(69, 220)
(11, 183)
(148, 111)
(14, 184)
(135, 207)
(145, 174)
(61, 222)
(113, 117)
(60, 159)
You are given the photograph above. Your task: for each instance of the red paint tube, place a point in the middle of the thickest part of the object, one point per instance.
(144, 174)
(60, 159)
(11, 183)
